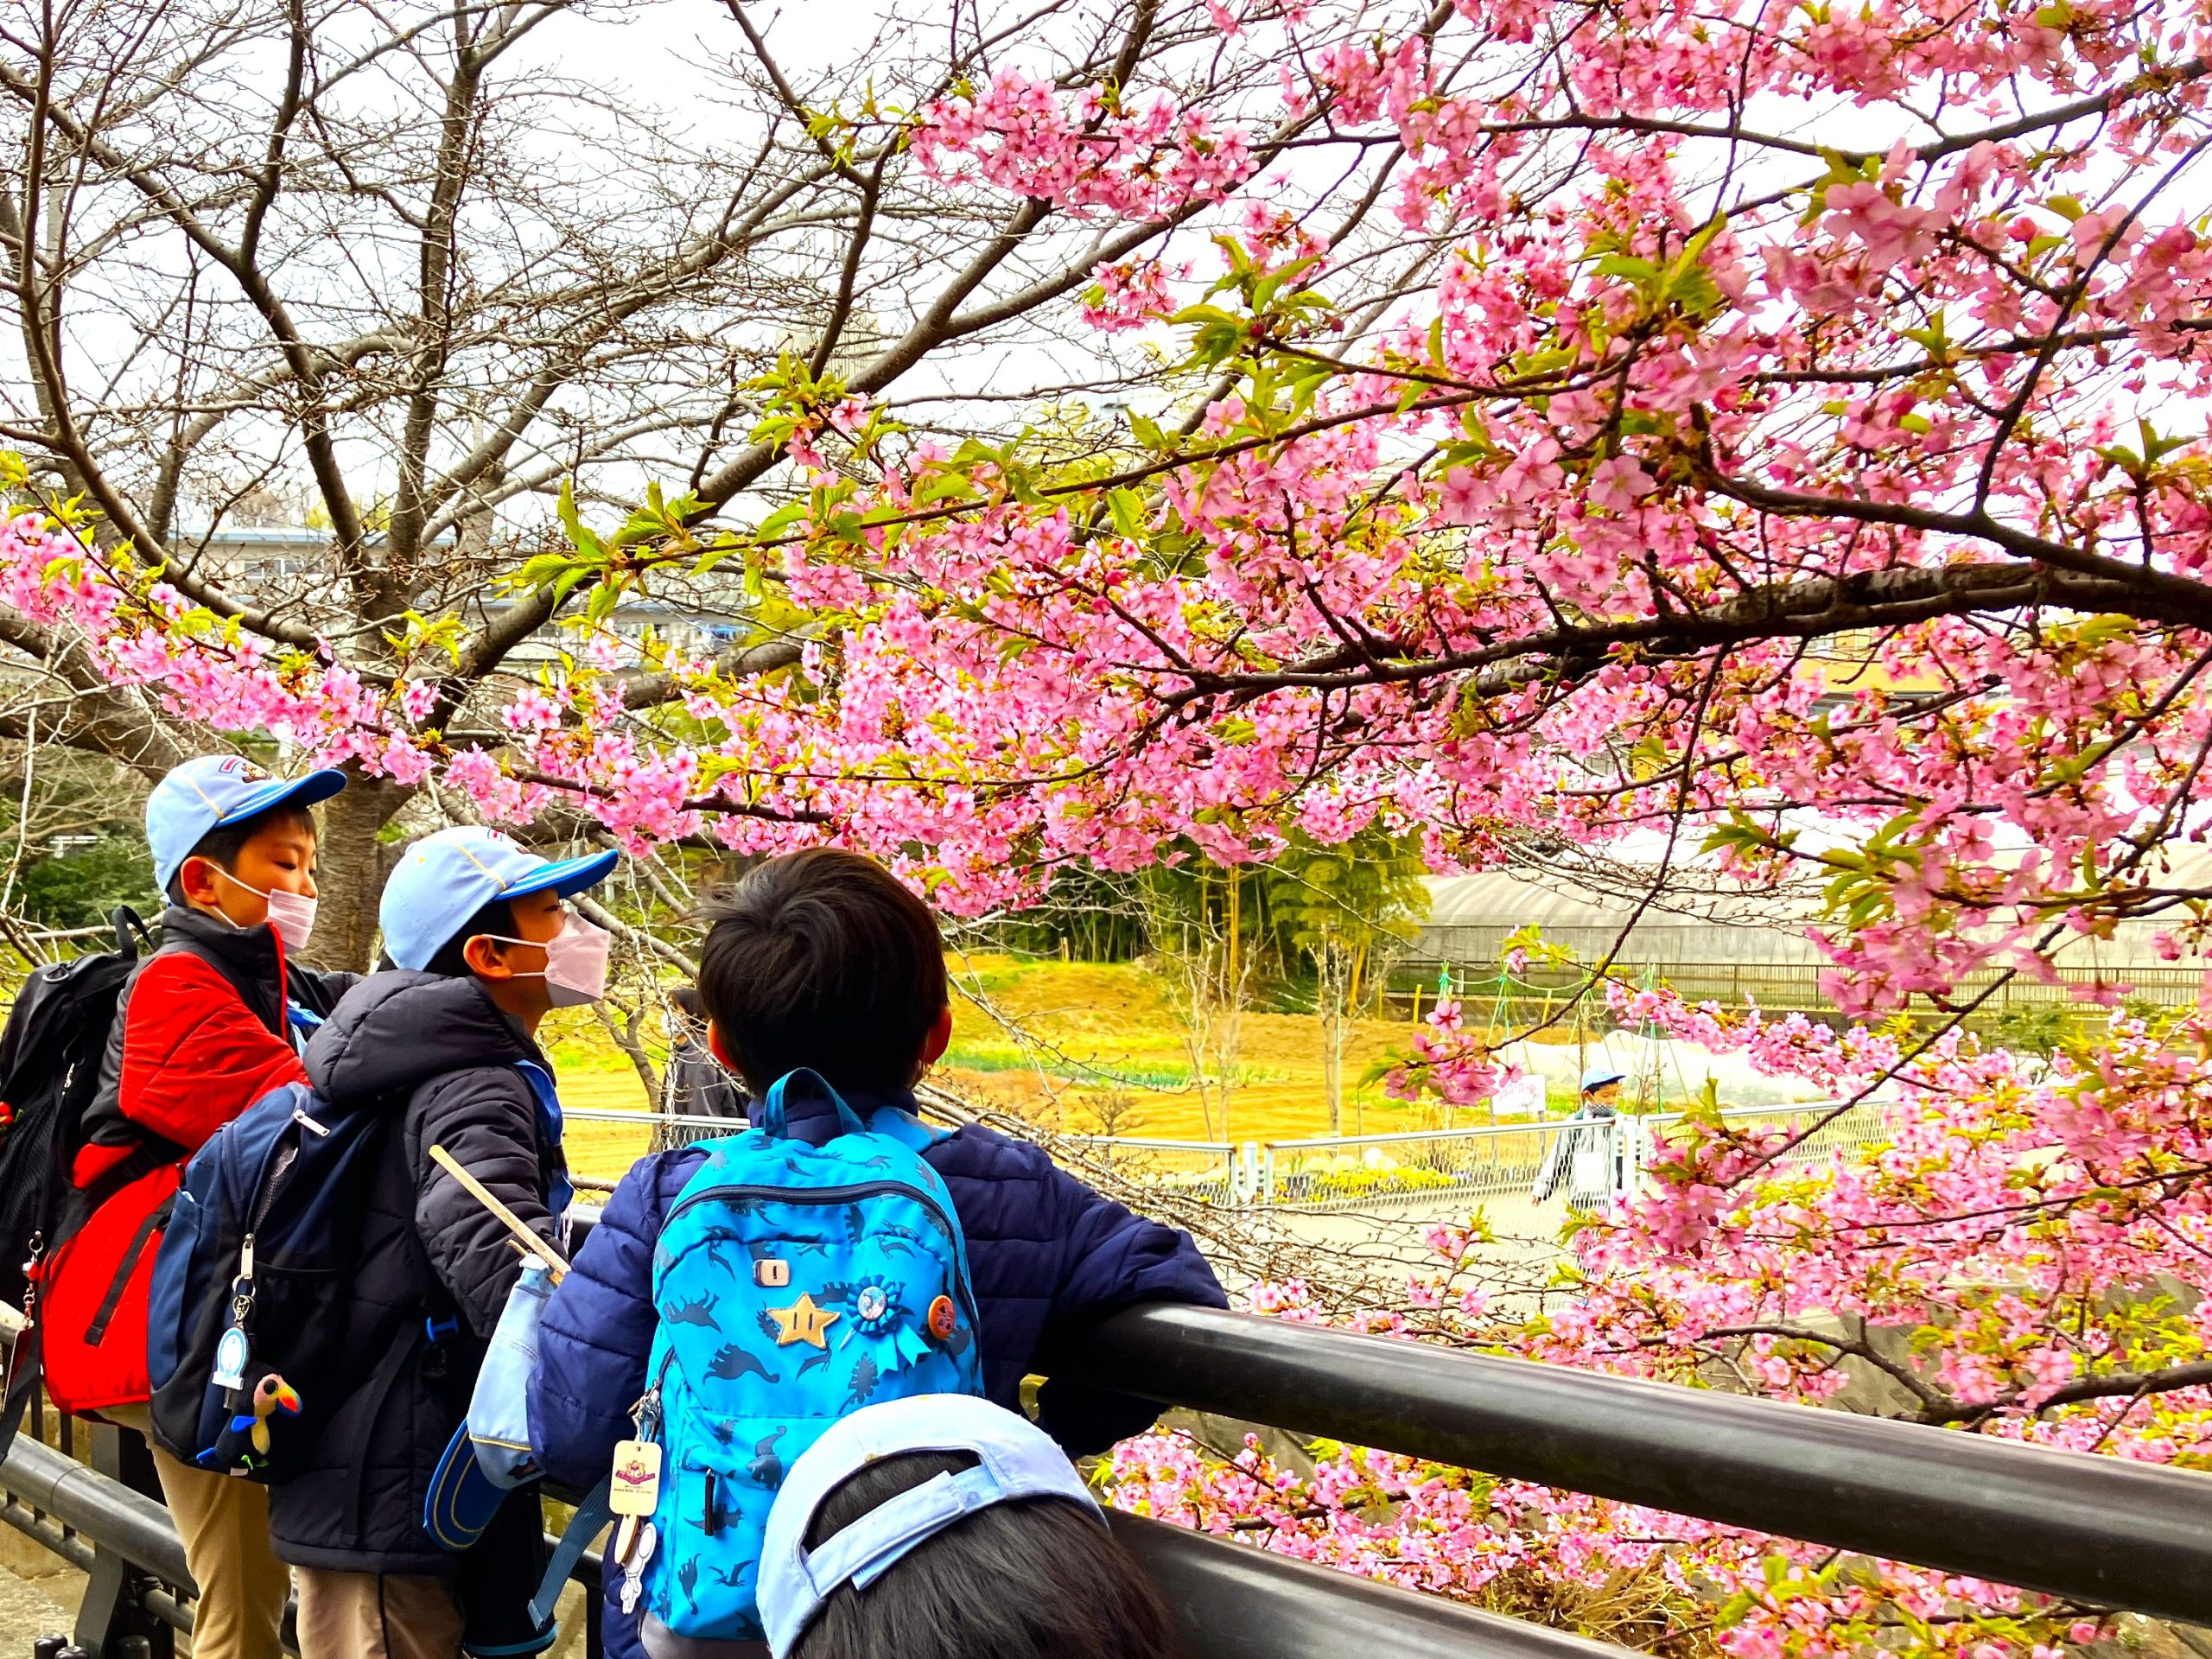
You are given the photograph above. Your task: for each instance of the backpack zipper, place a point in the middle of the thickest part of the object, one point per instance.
(847, 1195)
(286, 1154)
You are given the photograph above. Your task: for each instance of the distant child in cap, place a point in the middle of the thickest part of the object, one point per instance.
(944, 1527)
(207, 1025)
(480, 947)
(1587, 1159)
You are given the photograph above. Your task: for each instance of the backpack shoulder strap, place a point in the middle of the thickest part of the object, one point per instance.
(594, 1513)
(131, 933)
(772, 1116)
(895, 1123)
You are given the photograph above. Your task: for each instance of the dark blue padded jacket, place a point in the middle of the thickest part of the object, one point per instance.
(1048, 1257)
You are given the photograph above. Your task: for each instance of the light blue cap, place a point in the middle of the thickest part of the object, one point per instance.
(211, 791)
(1601, 1074)
(1015, 1459)
(445, 879)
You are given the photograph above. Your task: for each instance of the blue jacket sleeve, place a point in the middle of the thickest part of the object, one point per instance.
(595, 1337)
(1110, 1258)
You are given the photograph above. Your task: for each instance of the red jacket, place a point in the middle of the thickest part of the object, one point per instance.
(200, 1034)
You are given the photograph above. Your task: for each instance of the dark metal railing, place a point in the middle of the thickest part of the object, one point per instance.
(2102, 1532)
(1232, 1602)
(2099, 1530)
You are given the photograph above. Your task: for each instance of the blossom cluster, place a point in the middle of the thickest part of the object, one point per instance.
(1999, 1260)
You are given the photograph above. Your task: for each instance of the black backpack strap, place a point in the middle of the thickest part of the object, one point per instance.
(126, 922)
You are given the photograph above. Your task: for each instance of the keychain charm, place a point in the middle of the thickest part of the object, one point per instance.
(231, 1356)
(634, 1548)
(635, 1488)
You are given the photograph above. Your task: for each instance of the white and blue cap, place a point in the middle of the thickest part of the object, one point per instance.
(206, 793)
(1016, 1459)
(1601, 1074)
(445, 879)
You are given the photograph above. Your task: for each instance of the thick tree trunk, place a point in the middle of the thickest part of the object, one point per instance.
(351, 865)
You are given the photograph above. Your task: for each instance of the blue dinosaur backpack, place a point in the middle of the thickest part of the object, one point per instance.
(796, 1283)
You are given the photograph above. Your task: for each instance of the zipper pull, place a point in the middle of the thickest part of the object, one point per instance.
(300, 1117)
(245, 1258)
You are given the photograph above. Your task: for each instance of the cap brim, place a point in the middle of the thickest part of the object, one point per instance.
(302, 791)
(567, 878)
(462, 1498)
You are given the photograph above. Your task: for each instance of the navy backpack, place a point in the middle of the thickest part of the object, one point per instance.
(251, 1287)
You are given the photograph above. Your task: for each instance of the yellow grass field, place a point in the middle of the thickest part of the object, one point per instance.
(1074, 1046)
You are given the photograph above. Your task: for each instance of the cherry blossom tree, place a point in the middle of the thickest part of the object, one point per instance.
(404, 278)
(1772, 430)
(1699, 354)
(1671, 393)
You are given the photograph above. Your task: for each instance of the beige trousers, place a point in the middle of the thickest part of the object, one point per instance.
(225, 1523)
(376, 1615)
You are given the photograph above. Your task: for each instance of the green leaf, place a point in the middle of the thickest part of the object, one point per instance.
(581, 536)
(781, 520)
(1128, 510)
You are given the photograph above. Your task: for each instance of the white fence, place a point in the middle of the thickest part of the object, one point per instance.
(1583, 1163)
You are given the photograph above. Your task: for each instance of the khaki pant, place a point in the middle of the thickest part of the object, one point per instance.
(376, 1615)
(224, 1521)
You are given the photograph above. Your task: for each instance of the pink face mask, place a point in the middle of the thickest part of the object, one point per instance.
(575, 963)
(292, 914)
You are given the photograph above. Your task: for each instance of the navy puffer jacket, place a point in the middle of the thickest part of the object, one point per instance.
(1048, 1257)
(433, 1262)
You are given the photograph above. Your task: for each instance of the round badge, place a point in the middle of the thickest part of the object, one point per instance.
(943, 1317)
(871, 1304)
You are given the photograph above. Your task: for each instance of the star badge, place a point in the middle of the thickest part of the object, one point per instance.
(802, 1321)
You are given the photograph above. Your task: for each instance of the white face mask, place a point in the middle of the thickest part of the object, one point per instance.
(575, 963)
(292, 914)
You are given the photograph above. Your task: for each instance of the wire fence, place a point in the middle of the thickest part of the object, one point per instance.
(1206, 1171)
(1360, 1171)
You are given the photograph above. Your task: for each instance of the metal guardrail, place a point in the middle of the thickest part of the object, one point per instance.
(2104, 1531)
(1231, 1601)
(1480, 1163)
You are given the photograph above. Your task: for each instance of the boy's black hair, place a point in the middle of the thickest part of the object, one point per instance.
(822, 958)
(1035, 1578)
(497, 917)
(221, 845)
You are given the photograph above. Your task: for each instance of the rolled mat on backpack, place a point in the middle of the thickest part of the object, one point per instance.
(489, 1454)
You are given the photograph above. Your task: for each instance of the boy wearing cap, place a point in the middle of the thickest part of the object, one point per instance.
(824, 959)
(479, 948)
(206, 1028)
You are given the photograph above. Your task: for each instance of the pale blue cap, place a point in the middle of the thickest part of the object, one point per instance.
(1599, 1076)
(1016, 1459)
(211, 791)
(445, 879)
